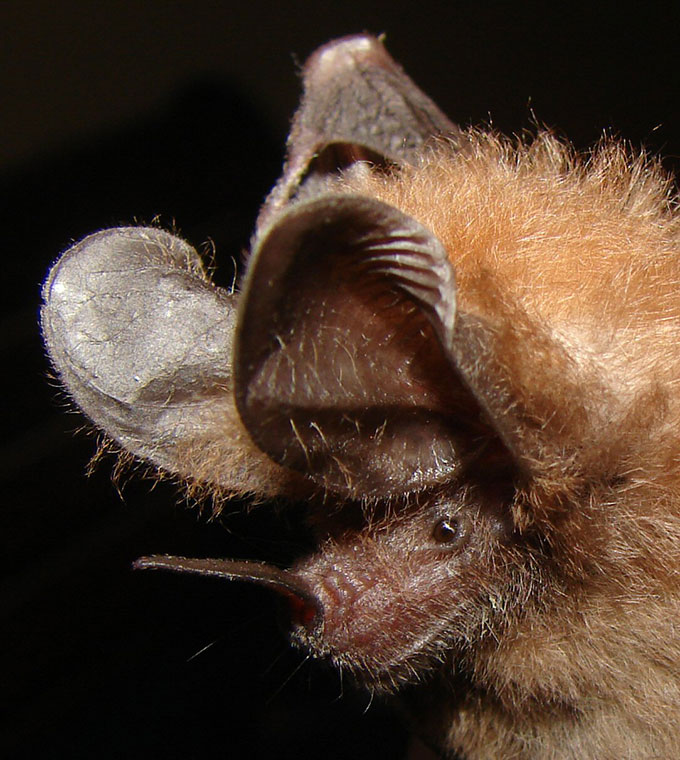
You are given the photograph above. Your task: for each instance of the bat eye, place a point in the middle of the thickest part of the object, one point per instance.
(448, 530)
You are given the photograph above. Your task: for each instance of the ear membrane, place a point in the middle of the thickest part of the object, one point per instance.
(142, 342)
(139, 336)
(358, 104)
(341, 368)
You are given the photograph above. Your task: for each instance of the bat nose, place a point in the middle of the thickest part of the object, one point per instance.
(304, 613)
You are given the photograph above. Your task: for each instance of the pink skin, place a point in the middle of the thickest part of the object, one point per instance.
(398, 593)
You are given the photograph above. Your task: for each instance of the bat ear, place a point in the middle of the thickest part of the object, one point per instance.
(143, 341)
(341, 354)
(357, 105)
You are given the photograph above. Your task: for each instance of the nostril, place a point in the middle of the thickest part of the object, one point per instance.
(303, 613)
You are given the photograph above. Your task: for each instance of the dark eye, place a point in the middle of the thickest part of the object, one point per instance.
(448, 530)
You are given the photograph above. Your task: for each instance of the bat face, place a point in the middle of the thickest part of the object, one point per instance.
(398, 590)
(461, 353)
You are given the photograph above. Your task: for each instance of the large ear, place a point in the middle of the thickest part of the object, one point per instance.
(344, 364)
(142, 342)
(357, 105)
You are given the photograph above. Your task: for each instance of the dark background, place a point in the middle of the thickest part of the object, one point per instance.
(113, 112)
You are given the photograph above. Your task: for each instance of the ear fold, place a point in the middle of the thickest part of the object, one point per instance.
(352, 366)
(342, 355)
(357, 105)
(142, 341)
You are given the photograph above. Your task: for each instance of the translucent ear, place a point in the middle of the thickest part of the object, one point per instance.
(358, 105)
(342, 365)
(143, 342)
(353, 366)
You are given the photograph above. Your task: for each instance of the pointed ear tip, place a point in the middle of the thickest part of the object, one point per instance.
(346, 52)
(357, 43)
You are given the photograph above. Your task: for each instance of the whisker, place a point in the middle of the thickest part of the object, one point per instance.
(287, 680)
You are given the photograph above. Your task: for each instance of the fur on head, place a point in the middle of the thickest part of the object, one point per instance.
(462, 351)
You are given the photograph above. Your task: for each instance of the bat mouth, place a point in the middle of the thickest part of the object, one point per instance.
(305, 608)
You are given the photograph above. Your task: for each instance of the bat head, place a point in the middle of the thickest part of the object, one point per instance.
(443, 344)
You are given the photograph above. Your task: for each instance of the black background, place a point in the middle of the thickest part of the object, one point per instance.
(116, 112)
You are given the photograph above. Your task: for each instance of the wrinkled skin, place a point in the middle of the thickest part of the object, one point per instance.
(461, 354)
(398, 593)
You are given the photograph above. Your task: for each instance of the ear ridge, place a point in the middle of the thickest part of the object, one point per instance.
(142, 342)
(451, 377)
(340, 364)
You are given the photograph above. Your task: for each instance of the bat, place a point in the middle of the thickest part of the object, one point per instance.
(460, 350)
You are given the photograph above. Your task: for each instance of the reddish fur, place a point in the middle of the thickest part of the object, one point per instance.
(577, 263)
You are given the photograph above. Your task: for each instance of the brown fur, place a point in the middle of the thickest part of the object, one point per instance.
(560, 639)
(585, 252)
(577, 263)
